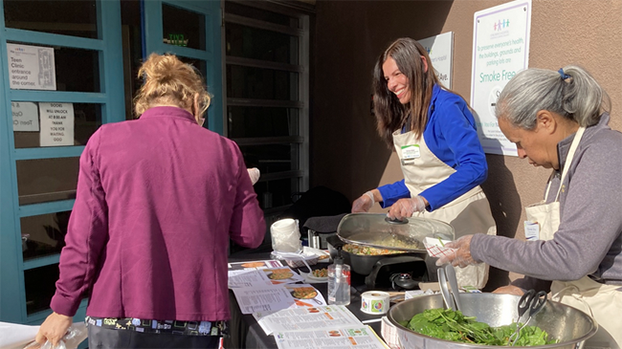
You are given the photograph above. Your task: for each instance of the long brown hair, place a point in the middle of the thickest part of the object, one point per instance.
(391, 115)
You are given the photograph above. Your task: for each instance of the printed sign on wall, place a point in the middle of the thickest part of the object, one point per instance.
(25, 116)
(500, 50)
(57, 120)
(441, 51)
(31, 67)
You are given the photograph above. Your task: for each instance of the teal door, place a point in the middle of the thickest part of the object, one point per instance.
(61, 77)
(192, 31)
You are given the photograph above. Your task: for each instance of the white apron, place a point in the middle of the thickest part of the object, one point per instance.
(602, 302)
(468, 214)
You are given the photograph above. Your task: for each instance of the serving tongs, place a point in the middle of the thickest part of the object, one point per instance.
(447, 274)
(530, 302)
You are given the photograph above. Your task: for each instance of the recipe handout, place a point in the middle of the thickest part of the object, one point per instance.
(354, 337)
(297, 319)
(249, 278)
(270, 263)
(263, 298)
(277, 297)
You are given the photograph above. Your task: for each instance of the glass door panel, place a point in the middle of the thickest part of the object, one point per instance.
(267, 112)
(63, 76)
(73, 69)
(248, 42)
(191, 30)
(43, 235)
(255, 122)
(261, 83)
(30, 131)
(46, 180)
(66, 17)
(271, 158)
(261, 14)
(40, 287)
(181, 27)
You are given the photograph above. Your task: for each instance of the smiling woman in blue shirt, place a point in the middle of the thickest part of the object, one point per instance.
(434, 134)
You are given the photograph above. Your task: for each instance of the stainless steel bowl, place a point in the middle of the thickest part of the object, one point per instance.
(568, 325)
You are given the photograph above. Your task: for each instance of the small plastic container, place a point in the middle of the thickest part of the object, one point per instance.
(339, 283)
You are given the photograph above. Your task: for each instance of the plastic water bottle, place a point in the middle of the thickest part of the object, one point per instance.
(339, 283)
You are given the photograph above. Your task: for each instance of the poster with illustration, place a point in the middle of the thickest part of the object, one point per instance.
(500, 51)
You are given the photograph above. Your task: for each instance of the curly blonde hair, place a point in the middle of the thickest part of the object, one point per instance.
(169, 81)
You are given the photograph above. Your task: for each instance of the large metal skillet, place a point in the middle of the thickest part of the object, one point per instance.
(375, 230)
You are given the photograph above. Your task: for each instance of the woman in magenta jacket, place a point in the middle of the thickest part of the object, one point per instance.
(158, 200)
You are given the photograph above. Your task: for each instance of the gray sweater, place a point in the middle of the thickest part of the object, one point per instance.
(589, 238)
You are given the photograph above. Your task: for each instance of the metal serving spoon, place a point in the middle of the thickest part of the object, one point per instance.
(447, 275)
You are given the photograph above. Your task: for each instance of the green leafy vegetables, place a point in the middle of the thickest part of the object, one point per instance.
(454, 326)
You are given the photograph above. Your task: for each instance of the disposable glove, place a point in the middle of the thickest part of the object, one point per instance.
(363, 203)
(461, 254)
(254, 174)
(76, 334)
(405, 208)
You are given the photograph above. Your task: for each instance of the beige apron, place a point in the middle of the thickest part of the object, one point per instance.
(468, 214)
(602, 302)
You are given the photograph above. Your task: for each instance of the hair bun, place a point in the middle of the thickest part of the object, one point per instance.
(161, 69)
(169, 81)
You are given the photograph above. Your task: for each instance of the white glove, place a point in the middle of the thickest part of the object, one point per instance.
(254, 174)
(461, 256)
(405, 208)
(363, 203)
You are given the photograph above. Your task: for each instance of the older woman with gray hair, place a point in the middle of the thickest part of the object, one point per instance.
(558, 120)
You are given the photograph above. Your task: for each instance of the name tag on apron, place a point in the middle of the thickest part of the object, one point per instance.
(532, 231)
(410, 153)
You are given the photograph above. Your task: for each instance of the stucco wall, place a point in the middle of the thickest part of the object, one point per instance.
(346, 153)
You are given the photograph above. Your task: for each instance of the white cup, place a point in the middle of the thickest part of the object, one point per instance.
(285, 235)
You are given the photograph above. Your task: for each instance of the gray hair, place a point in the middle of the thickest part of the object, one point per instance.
(570, 92)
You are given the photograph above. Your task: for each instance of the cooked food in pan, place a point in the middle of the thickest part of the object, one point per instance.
(368, 251)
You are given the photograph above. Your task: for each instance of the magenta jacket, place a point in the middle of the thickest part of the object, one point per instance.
(157, 201)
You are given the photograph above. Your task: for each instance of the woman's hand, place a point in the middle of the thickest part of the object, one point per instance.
(364, 203)
(405, 208)
(53, 329)
(510, 289)
(254, 173)
(461, 256)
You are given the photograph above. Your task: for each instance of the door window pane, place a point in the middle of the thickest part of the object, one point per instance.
(45, 180)
(76, 70)
(183, 28)
(261, 15)
(40, 287)
(253, 122)
(43, 235)
(248, 42)
(271, 158)
(259, 83)
(67, 17)
(27, 126)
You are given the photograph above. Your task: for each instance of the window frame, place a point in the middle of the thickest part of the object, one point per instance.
(302, 103)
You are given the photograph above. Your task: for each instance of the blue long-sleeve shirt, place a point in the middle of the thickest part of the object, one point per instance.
(450, 134)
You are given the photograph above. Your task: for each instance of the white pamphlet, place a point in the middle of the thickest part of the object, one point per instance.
(297, 319)
(353, 337)
(263, 298)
